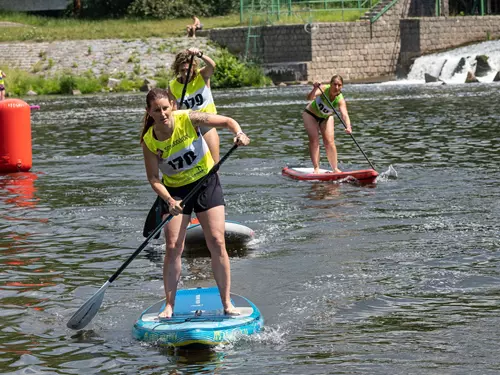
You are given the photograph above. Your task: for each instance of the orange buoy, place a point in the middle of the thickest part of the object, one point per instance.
(15, 136)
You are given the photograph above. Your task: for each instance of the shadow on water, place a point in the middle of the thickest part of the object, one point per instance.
(194, 360)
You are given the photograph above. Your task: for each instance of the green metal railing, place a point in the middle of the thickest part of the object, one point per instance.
(293, 11)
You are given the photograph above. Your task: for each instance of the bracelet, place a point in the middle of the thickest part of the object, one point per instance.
(200, 54)
(240, 132)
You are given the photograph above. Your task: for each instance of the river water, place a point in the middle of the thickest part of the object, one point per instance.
(397, 277)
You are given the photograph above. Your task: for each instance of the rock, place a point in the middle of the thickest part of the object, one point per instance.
(76, 92)
(471, 78)
(113, 82)
(459, 66)
(282, 84)
(31, 93)
(497, 77)
(429, 78)
(148, 85)
(482, 67)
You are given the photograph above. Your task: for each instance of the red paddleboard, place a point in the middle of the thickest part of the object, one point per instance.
(306, 174)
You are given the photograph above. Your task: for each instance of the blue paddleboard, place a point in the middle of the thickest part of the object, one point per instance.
(198, 319)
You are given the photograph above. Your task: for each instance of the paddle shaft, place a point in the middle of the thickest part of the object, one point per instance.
(345, 126)
(184, 89)
(186, 199)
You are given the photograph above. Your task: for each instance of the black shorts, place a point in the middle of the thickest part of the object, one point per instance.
(205, 129)
(317, 118)
(209, 196)
(2, 88)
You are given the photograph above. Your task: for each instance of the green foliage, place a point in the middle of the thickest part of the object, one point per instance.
(128, 85)
(231, 72)
(161, 9)
(104, 8)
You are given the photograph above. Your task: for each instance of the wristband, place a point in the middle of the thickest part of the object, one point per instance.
(240, 132)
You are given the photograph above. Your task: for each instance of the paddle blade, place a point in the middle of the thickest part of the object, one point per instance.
(89, 309)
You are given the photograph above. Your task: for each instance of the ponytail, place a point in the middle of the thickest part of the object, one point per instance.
(153, 94)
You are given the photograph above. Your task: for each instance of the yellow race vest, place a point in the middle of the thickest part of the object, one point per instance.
(184, 157)
(2, 81)
(198, 95)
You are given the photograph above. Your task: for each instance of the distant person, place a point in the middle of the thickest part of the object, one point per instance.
(195, 26)
(172, 143)
(198, 96)
(2, 84)
(318, 118)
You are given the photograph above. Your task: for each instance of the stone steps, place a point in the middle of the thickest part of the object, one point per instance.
(375, 10)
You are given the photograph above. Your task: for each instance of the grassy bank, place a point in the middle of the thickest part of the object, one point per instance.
(34, 28)
(230, 72)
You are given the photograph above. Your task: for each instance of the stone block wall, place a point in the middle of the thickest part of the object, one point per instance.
(33, 5)
(356, 50)
(439, 33)
(420, 36)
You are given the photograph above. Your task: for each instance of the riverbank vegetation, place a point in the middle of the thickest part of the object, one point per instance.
(230, 73)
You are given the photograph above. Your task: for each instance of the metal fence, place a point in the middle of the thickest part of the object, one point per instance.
(297, 11)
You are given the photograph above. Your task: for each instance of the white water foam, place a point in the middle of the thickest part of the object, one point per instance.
(443, 65)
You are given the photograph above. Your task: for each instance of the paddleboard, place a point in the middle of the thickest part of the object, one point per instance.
(198, 320)
(306, 174)
(236, 233)
(34, 107)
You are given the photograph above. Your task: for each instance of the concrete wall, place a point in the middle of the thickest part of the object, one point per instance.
(33, 5)
(356, 50)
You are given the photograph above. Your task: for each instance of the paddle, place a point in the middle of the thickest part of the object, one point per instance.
(184, 89)
(345, 126)
(151, 218)
(89, 309)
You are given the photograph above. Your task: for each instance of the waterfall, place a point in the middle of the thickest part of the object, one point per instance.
(452, 66)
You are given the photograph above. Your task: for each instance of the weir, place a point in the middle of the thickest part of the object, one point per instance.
(482, 59)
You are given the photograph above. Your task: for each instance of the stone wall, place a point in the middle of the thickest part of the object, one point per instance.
(142, 58)
(33, 5)
(356, 50)
(420, 36)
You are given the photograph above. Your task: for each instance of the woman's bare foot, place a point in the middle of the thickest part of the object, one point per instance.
(166, 313)
(336, 170)
(316, 170)
(231, 311)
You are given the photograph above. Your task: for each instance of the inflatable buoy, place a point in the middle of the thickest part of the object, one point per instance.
(15, 136)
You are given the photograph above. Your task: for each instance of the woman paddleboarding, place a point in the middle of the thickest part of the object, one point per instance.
(172, 142)
(318, 118)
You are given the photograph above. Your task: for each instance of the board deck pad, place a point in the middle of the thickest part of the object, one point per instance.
(198, 319)
(306, 174)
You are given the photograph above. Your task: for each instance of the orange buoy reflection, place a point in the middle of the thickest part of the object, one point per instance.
(18, 189)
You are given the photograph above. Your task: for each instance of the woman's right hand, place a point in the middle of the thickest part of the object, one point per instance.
(316, 85)
(174, 206)
(242, 139)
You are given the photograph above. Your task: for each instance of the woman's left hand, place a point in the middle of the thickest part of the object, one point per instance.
(194, 51)
(241, 139)
(348, 130)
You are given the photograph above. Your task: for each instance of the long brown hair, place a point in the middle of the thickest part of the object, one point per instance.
(184, 57)
(153, 94)
(335, 77)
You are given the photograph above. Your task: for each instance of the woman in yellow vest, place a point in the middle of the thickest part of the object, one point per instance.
(318, 118)
(2, 85)
(198, 95)
(172, 143)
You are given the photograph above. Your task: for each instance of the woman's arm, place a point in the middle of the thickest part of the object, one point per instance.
(152, 168)
(209, 68)
(315, 91)
(218, 121)
(345, 115)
